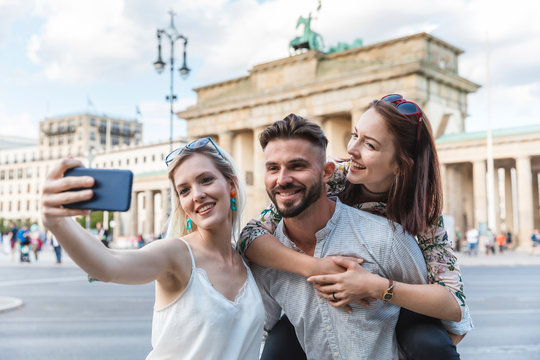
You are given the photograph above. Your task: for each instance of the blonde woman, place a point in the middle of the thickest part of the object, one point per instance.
(207, 304)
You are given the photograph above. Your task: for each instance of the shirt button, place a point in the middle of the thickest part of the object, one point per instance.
(328, 327)
(321, 300)
(336, 354)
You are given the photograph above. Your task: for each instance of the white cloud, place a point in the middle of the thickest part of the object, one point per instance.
(156, 120)
(100, 41)
(21, 124)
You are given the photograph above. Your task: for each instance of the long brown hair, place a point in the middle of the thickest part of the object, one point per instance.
(415, 198)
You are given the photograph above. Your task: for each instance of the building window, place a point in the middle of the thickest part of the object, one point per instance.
(60, 140)
(19, 174)
(135, 160)
(125, 140)
(2, 174)
(102, 139)
(10, 174)
(27, 205)
(144, 159)
(127, 161)
(92, 122)
(92, 136)
(114, 140)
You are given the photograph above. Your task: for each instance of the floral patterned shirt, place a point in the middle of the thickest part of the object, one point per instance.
(441, 262)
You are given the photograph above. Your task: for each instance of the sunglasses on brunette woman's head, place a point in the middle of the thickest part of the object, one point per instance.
(194, 145)
(407, 108)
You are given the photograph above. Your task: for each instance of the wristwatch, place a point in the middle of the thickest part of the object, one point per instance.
(389, 293)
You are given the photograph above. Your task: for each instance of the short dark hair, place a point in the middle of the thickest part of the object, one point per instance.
(295, 127)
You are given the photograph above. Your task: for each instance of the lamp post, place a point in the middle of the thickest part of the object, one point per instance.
(173, 35)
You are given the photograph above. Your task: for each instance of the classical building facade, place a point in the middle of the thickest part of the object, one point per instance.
(335, 89)
(330, 89)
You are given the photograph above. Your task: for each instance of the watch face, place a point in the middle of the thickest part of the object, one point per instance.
(387, 296)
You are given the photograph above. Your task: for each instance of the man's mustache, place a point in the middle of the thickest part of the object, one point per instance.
(287, 187)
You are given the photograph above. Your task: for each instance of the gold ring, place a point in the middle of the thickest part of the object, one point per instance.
(334, 296)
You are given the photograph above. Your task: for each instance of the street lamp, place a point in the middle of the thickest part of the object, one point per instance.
(159, 64)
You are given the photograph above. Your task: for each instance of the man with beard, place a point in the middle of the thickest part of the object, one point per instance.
(296, 172)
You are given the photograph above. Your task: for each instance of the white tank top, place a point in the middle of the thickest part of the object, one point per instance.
(203, 324)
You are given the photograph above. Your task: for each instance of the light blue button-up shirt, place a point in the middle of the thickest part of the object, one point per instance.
(326, 332)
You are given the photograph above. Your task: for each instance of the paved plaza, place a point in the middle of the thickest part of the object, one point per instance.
(61, 316)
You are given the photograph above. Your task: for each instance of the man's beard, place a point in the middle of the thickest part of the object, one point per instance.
(287, 209)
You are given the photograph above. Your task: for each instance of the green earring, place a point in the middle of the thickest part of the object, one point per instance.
(189, 224)
(233, 200)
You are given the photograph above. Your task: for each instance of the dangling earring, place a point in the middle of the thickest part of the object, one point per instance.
(189, 224)
(233, 201)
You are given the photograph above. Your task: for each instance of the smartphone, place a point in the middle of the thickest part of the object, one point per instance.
(112, 189)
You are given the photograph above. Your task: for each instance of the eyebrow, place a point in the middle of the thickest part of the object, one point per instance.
(367, 137)
(204, 173)
(291, 161)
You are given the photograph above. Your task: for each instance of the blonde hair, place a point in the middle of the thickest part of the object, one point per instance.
(227, 167)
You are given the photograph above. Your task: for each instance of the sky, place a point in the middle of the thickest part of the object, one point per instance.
(61, 57)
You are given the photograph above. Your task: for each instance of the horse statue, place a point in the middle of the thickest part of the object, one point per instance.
(310, 40)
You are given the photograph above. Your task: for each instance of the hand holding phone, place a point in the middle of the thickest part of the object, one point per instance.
(111, 189)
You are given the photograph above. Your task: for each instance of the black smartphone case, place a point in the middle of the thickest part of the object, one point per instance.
(112, 189)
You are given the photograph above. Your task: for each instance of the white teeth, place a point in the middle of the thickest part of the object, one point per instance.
(206, 207)
(357, 165)
(286, 194)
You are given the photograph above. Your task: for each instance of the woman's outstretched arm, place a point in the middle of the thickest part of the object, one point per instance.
(126, 267)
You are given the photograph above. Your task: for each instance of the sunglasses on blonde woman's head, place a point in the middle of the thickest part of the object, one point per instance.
(407, 108)
(194, 145)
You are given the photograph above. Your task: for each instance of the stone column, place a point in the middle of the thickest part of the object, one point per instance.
(225, 141)
(149, 212)
(525, 200)
(480, 192)
(355, 116)
(165, 205)
(445, 181)
(497, 201)
(117, 226)
(134, 216)
(508, 201)
(337, 130)
(259, 198)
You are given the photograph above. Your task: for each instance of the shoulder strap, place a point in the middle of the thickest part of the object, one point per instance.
(190, 253)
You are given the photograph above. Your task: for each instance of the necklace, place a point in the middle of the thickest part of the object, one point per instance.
(374, 192)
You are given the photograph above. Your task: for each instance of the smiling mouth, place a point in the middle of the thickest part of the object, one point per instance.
(356, 165)
(205, 208)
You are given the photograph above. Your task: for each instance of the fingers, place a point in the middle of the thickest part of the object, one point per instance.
(63, 198)
(66, 183)
(350, 258)
(328, 288)
(346, 262)
(323, 279)
(60, 168)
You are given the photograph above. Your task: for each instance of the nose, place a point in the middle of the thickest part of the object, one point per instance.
(283, 178)
(352, 148)
(198, 193)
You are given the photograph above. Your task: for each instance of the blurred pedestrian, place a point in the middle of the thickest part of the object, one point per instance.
(23, 236)
(535, 239)
(501, 242)
(458, 239)
(103, 234)
(36, 241)
(57, 249)
(472, 241)
(12, 236)
(508, 240)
